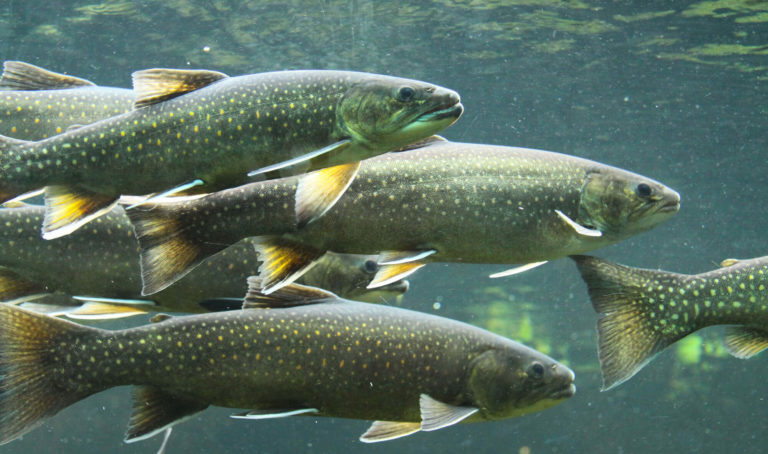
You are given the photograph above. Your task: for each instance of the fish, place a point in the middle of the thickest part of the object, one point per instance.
(198, 131)
(98, 266)
(442, 202)
(645, 311)
(36, 103)
(299, 351)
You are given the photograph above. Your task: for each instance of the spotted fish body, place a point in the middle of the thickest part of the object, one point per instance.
(205, 131)
(463, 202)
(100, 261)
(36, 103)
(312, 354)
(647, 310)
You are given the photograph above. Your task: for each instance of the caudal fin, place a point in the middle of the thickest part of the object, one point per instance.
(168, 248)
(632, 330)
(29, 390)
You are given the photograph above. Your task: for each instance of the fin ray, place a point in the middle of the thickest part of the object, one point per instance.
(19, 75)
(389, 430)
(287, 296)
(283, 261)
(67, 208)
(388, 274)
(156, 85)
(745, 342)
(437, 415)
(273, 414)
(155, 410)
(319, 191)
(517, 270)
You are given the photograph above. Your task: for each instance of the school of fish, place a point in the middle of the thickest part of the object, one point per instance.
(260, 202)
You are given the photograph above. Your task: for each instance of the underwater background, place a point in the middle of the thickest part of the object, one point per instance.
(677, 91)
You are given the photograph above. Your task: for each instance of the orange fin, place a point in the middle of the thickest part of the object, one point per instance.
(153, 86)
(286, 296)
(67, 208)
(14, 288)
(389, 430)
(745, 342)
(393, 273)
(283, 261)
(320, 190)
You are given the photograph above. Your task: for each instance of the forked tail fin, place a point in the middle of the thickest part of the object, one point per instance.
(632, 330)
(29, 390)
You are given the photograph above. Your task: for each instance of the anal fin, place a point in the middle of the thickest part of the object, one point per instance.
(283, 261)
(388, 274)
(96, 310)
(745, 342)
(389, 430)
(67, 208)
(287, 296)
(517, 270)
(15, 288)
(318, 191)
(154, 410)
(274, 413)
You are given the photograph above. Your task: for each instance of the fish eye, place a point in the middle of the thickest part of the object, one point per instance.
(406, 94)
(371, 266)
(536, 370)
(643, 190)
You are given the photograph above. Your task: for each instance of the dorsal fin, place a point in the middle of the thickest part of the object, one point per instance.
(157, 85)
(288, 296)
(18, 75)
(423, 143)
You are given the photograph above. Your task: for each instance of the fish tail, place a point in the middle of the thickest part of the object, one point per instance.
(168, 248)
(633, 329)
(29, 391)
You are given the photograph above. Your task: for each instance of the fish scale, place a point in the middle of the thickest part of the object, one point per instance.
(200, 131)
(300, 350)
(453, 202)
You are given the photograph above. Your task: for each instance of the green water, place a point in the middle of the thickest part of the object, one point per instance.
(676, 91)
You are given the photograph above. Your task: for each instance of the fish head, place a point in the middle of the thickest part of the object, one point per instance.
(385, 113)
(510, 382)
(348, 275)
(621, 204)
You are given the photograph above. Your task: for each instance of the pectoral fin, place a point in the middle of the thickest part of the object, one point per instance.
(108, 309)
(436, 415)
(287, 296)
(18, 75)
(389, 430)
(332, 148)
(168, 193)
(580, 229)
(517, 270)
(156, 85)
(743, 342)
(15, 288)
(398, 257)
(283, 261)
(320, 190)
(154, 410)
(388, 274)
(68, 208)
(273, 413)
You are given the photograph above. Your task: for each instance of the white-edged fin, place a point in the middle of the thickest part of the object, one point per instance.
(398, 257)
(389, 430)
(334, 147)
(580, 229)
(165, 440)
(283, 261)
(168, 193)
(318, 191)
(290, 295)
(436, 415)
(388, 274)
(517, 269)
(22, 197)
(54, 310)
(105, 311)
(271, 414)
(745, 342)
(98, 299)
(154, 411)
(67, 208)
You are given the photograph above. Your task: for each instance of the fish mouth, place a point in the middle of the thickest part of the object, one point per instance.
(565, 392)
(454, 111)
(670, 207)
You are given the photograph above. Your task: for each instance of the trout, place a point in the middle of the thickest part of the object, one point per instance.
(645, 311)
(196, 131)
(299, 351)
(98, 264)
(36, 103)
(445, 202)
